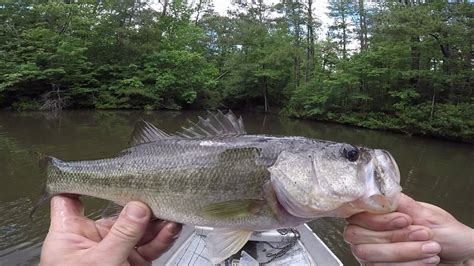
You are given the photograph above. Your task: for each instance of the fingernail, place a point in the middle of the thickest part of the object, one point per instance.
(400, 222)
(135, 211)
(431, 248)
(431, 260)
(419, 235)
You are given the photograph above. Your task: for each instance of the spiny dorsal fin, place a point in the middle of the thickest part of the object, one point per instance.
(214, 125)
(145, 132)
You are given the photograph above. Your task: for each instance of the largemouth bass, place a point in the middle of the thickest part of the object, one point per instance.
(215, 174)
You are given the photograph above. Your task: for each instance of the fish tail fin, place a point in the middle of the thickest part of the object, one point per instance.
(46, 163)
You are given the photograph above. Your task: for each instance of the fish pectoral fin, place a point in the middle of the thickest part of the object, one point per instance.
(145, 132)
(223, 243)
(231, 209)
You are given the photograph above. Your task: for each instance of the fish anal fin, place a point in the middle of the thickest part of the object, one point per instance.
(145, 132)
(214, 125)
(223, 243)
(231, 209)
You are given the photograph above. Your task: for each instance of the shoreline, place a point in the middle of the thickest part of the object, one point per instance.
(279, 112)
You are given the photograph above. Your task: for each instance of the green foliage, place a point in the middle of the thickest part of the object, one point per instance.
(26, 105)
(410, 78)
(341, 31)
(184, 77)
(405, 98)
(411, 73)
(103, 54)
(126, 93)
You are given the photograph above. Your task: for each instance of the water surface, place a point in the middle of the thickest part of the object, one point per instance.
(435, 171)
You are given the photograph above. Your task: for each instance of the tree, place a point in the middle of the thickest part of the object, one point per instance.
(294, 16)
(412, 73)
(311, 24)
(341, 12)
(362, 24)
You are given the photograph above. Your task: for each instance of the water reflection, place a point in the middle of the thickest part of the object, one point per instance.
(435, 171)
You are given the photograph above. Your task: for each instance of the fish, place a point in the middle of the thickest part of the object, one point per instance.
(212, 173)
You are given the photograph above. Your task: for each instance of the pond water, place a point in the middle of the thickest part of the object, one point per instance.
(435, 171)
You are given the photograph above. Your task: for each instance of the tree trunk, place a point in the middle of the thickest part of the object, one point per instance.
(297, 71)
(344, 33)
(160, 22)
(165, 8)
(432, 104)
(297, 45)
(362, 26)
(260, 11)
(415, 58)
(198, 11)
(310, 43)
(265, 94)
(446, 50)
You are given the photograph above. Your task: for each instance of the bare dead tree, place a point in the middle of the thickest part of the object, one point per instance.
(52, 100)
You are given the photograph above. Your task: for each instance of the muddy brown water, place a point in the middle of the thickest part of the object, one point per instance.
(435, 171)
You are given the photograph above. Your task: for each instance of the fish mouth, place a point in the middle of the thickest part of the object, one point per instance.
(381, 176)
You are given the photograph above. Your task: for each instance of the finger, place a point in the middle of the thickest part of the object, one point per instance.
(126, 231)
(354, 234)
(396, 252)
(380, 222)
(64, 208)
(161, 243)
(153, 228)
(104, 225)
(409, 206)
(428, 261)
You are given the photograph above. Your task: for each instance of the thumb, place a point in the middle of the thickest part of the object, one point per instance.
(63, 208)
(409, 206)
(127, 231)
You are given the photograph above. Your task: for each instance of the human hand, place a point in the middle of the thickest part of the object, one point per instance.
(418, 233)
(130, 240)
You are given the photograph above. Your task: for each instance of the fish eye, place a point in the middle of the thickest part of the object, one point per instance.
(351, 154)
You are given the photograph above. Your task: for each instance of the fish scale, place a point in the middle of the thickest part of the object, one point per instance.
(162, 173)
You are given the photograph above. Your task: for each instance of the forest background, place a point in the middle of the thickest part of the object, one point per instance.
(397, 65)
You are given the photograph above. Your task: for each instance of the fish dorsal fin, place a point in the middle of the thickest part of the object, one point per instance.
(145, 132)
(215, 124)
(223, 243)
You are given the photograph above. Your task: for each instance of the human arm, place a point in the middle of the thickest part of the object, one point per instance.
(132, 239)
(379, 239)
